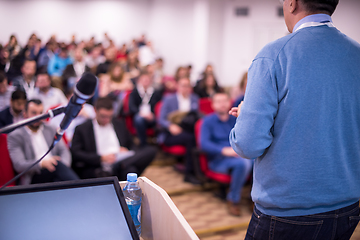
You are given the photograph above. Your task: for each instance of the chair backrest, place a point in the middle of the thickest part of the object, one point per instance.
(6, 167)
(157, 109)
(205, 106)
(202, 158)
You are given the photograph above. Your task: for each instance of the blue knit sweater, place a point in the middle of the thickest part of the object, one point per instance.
(301, 120)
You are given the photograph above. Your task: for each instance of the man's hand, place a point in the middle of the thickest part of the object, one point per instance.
(123, 149)
(110, 158)
(175, 129)
(228, 152)
(148, 117)
(50, 163)
(235, 111)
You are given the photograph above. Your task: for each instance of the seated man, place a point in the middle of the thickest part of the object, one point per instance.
(142, 103)
(57, 65)
(26, 81)
(214, 139)
(103, 146)
(50, 96)
(5, 91)
(14, 113)
(177, 104)
(28, 144)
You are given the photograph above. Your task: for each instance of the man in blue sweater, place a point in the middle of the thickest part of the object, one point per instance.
(301, 119)
(214, 140)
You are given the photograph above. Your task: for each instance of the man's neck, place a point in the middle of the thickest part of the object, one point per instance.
(27, 79)
(33, 129)
(223, 116)
(45, 90)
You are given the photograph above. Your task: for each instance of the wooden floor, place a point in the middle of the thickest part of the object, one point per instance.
(206, 213)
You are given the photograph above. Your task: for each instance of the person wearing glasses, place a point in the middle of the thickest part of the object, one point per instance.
(300, 119)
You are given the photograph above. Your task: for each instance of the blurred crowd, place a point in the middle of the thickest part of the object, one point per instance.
(135, 100)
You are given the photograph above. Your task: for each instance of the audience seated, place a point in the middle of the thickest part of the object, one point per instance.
(75, 70)
(142, 103)
(28, 144)
(45, 55)
(207, 86)
(13, 47)
(132, 65)
(5, 92)
(50, 96)
(110, 55)
(94, 58)
(57, 65)
(103, 146)
(119, 72)
(214, 140)
(4, 60)
(175, 108)
(13, 113)
(87, 112)
(26, 81)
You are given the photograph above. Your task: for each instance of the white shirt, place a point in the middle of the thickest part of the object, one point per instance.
(79, 68)
(53, 97)
(184, 103)
(105, 139)
(5, 97)
(145, 107)
(39, 143)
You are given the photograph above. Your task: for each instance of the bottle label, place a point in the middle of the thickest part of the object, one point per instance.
(139, 214)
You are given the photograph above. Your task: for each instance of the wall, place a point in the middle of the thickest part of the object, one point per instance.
(184, 32)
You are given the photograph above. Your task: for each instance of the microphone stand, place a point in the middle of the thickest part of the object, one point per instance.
(49, 114)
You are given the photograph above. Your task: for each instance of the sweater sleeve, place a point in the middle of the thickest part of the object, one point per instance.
(252, 133)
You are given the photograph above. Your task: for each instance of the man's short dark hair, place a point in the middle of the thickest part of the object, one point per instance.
(320, 6)
(35, 101)
(2, 76)
(18, 95)
(104, 102)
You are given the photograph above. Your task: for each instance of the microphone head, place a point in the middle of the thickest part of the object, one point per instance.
(86, 86)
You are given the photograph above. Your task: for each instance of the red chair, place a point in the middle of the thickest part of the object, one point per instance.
(6, 167)
(177, 150)
(205, 106)
(203, 161)
(129, 119)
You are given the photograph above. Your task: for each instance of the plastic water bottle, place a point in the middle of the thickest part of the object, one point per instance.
(133, 196)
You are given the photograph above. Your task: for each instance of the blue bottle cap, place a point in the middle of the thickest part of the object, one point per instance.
(131, 177)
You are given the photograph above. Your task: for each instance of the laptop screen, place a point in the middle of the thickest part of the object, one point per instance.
(84, 209)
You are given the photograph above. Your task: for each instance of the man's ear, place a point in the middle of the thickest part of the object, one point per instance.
(293, 5)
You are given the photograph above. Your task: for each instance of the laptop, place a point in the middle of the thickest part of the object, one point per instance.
(72, 210)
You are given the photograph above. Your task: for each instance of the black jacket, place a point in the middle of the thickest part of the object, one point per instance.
(5, 117)
(85, 159)
(135, 100)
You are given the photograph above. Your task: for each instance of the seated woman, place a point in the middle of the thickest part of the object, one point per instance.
(207, 86)
(115, 81)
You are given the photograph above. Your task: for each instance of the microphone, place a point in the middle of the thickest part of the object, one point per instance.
(84, 90)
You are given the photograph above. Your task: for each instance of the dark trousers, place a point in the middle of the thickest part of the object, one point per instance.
(339, 224)
(136, 163)
(185, 139)
(141, 124)
(61, 173)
